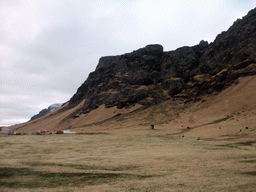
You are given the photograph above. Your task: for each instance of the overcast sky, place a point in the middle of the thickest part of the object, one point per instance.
(48, 47)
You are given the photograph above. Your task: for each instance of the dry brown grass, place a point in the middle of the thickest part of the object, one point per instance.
(121, 153)
(125, 162)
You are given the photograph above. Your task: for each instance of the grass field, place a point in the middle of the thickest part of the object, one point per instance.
(120, 162)
(118, 152)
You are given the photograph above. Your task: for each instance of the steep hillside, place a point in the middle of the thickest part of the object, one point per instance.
(222, 116)
(151, 86)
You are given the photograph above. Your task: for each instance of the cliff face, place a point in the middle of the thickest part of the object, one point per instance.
(150, 76)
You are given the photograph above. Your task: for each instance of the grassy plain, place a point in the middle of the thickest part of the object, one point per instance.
(118, 152)
(148, 161)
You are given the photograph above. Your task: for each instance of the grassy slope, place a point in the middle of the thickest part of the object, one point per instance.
(238, 102)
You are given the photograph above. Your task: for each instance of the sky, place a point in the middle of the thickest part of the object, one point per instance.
(49, 47)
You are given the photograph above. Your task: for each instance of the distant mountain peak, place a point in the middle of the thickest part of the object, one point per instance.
(45, 111)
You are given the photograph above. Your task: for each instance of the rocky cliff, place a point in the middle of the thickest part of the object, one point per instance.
(150, 75)
(45, 111)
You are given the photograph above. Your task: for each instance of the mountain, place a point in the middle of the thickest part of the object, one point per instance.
(149, 76)
(150, 85)
(45, 111)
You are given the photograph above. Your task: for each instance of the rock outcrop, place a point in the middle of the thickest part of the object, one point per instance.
(150, 76)
(45, 111)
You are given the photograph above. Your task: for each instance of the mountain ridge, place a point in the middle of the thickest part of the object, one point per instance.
(187, 72)
(151, 77)
(46, 111)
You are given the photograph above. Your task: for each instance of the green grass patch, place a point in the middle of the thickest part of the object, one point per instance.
(247, 186)
(28, 152)
(27, 178)
(4, 144)
(84, 167)
(249, 173)
(47, 151)
(237, 145)
(248, 161)
(218, 120)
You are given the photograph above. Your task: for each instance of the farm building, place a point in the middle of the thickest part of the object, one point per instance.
(5, 131)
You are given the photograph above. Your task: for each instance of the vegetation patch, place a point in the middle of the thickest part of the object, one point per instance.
(165, 137)
(247, 143)
(218, 120)
(93, 133)
(27, 178)
(247, 186)
(250, 173)
(6, 143)
(85, 167)
(228, 146)
(239, 144)
(248, 161)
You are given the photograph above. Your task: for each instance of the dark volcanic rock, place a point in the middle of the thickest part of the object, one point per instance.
(149, 75)
(107, 61)
(50, 109)
(154, 50)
